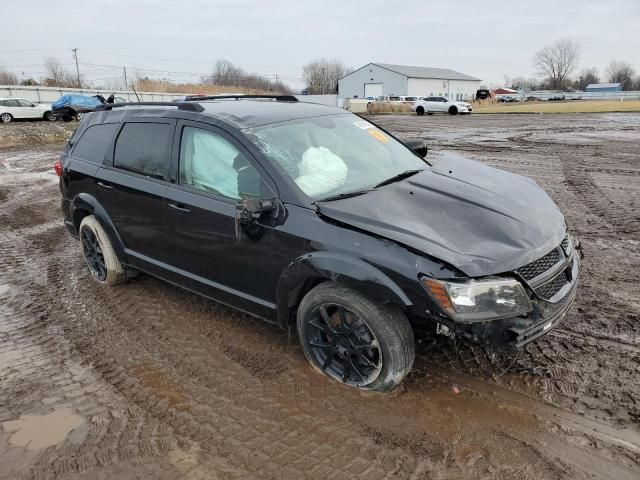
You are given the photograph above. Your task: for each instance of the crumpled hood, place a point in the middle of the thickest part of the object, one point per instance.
(477, 218)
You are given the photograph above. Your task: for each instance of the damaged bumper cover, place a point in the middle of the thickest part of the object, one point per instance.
(510, 334)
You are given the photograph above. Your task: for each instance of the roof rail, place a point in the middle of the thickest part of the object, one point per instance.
(279, 98)
(192, 107)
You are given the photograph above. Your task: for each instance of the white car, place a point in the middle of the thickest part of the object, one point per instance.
(19, 108)
(431, 105)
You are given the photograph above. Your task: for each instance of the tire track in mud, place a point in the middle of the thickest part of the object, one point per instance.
(607, 221)
(176, 391)
(266, 423)
(166, 379)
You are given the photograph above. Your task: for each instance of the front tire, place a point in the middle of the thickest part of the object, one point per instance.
(420, 110)
(98, 252)
(48, 117)
(6, 118)
(349, 337)
(453, 110)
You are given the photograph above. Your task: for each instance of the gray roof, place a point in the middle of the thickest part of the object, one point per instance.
(427, 72)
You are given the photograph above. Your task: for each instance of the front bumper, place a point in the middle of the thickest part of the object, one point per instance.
(514, 333)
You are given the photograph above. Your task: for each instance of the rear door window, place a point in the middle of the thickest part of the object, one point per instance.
(94, 142)
(144, 148)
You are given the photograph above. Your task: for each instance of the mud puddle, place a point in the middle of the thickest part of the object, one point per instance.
(36, 432)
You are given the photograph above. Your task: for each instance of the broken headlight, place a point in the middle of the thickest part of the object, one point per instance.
(476, 300)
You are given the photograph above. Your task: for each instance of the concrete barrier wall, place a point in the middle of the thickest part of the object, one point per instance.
(331, 100)
(51, 94)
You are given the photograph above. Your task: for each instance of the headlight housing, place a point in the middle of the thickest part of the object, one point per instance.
(478, 300)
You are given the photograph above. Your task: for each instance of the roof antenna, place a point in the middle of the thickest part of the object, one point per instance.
(134, 91)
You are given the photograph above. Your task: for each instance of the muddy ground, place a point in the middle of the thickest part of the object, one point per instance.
(148, 381)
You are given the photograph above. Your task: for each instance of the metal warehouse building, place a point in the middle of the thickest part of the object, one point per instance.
(377, 79)
(604, 87)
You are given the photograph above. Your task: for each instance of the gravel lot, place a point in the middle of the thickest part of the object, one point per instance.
(145, 380)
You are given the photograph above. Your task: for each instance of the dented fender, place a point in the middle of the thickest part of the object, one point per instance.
(316, 267)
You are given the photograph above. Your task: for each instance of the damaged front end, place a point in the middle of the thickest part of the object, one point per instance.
(550, 285)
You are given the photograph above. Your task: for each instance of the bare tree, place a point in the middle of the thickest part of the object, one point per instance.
(321, 75)
(525, 84)
(7, 77)
(557, 61)
(227, 74)
(54, 71)
(57, 76)
(587, 77)
(621, 72)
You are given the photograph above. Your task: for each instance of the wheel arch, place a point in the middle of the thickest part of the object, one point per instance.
(85, 204)
(310, 270)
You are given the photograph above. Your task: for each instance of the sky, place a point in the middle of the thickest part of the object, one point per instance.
(180, 40)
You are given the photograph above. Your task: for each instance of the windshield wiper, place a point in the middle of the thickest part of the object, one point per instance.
(340, 196)
(398, 177)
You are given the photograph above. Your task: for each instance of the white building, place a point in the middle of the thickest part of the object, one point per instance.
(377, 79)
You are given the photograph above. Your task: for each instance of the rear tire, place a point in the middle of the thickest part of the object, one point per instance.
(355, 340)
(453, 110)
(6, 118)
(420, 110)
(98, 252)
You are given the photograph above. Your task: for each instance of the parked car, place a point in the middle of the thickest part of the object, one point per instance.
(431, 105)
(19, 109)
(557, 97)
(388, 98)
(73, 107)
(315, 219)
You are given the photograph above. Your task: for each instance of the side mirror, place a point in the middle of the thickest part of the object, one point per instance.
(251, 209)
(418, 146)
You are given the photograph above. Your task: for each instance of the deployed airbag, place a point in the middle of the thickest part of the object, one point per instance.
(320, 171)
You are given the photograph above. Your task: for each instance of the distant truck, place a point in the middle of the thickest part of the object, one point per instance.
(483, 94)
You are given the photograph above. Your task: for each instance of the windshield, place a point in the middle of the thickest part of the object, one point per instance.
(332, 155)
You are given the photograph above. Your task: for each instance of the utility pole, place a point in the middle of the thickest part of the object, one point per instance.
(124, 69)
(75, 54)
(276, 85)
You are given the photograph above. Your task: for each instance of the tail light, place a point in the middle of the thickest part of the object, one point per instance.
(58, 168)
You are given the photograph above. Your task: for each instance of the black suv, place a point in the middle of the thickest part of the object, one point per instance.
(309, 216)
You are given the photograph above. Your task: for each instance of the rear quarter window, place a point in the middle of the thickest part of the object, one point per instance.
(143, 148)
(94, 142)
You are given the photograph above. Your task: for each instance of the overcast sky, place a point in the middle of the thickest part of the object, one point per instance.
(483, 38)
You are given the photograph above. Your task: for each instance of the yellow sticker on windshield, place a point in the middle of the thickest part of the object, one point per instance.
(378, 135)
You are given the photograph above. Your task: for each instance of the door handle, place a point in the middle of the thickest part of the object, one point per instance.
(179, 208)
(105, 186)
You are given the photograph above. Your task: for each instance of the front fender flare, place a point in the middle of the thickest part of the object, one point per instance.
(316, 267)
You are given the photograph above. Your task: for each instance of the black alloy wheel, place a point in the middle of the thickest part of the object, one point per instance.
(93, 254)
(343, 346)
